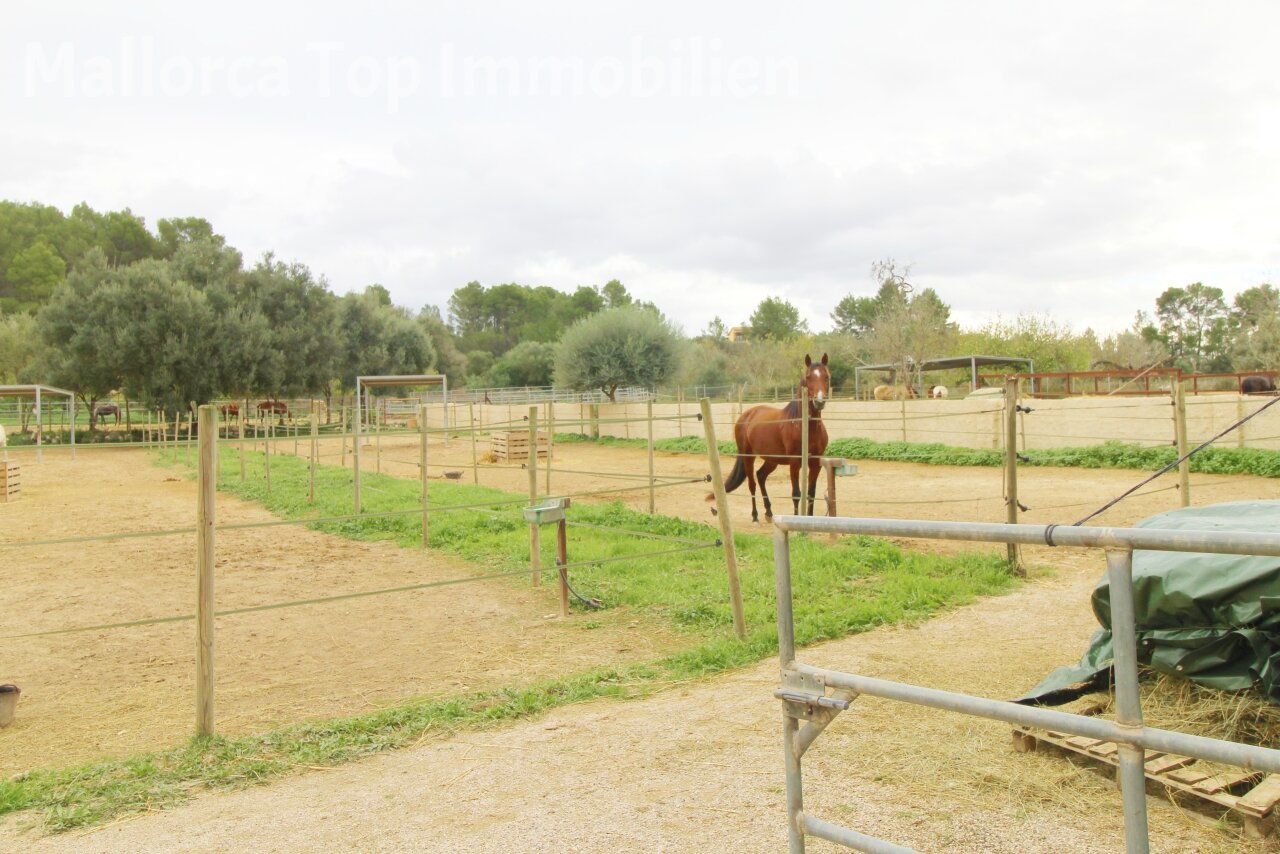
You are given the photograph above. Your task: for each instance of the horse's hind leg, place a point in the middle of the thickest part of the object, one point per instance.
(795, 487)
(751, 484)
(766, 468)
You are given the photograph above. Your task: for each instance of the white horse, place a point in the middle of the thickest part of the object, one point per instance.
(939, 392)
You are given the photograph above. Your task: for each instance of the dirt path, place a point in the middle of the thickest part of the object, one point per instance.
(698, 768)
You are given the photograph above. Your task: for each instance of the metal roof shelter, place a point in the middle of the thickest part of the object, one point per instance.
(384, 381)
(38, 391)
(943, 363)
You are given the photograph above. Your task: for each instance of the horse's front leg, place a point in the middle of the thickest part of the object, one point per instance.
(815, 468)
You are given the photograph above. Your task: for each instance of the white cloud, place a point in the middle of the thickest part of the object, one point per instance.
(1070, 160)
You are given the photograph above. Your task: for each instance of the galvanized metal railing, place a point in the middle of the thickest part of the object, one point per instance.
(808, 707)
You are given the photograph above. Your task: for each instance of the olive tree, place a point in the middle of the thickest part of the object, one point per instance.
(529, 363)
(629, 346)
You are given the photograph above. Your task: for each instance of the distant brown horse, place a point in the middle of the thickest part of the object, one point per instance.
(102, 410)
(230, 410)
(277, 407)
(774, 436)
(1257, 385)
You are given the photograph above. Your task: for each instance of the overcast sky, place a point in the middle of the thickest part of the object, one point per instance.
(1073, 161)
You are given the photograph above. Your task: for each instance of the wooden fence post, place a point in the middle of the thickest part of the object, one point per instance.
(315, 453)
(240, 424)
(206, 486)
(803, 480)
(1011, 469)
(726, 526)
(535, 536)
(649, 421)
(421, 462)
(551, 439)
(342, 432)
(266, 451)
(475, 464)
(562, 561)
(356, 417)
(1240, 443)
(1180, 439)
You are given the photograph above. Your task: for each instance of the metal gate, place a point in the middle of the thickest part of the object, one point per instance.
(813, 696)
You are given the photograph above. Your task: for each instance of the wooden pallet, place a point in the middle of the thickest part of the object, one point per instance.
(1250, 795)
(10, 481)
(514, 444)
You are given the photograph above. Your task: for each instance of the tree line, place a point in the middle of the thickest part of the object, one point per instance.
(99, 303)
(1192, 328)
(177, 317)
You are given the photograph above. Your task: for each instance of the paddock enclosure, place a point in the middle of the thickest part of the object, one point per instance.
(116, 691)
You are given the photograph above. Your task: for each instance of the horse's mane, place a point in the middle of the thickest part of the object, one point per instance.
(792, 409)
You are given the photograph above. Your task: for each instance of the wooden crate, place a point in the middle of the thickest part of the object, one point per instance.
(508, 445)
(10, 481)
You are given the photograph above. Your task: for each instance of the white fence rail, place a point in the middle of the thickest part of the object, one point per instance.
(808, 707)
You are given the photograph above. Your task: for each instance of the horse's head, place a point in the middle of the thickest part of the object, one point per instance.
(817, 379)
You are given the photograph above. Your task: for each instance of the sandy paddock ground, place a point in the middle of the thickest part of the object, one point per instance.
(693, 769)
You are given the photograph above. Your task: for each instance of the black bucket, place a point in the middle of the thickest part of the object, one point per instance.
(8, 702)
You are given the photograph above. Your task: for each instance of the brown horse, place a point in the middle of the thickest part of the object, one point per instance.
(774, 436)
(273, 407)
(102, 410)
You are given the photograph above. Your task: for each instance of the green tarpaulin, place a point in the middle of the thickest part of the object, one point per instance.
(1214, 619)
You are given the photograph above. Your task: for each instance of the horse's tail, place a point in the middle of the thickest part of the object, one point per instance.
(735, 479)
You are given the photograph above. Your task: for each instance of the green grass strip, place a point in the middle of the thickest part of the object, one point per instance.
(1109, 455)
